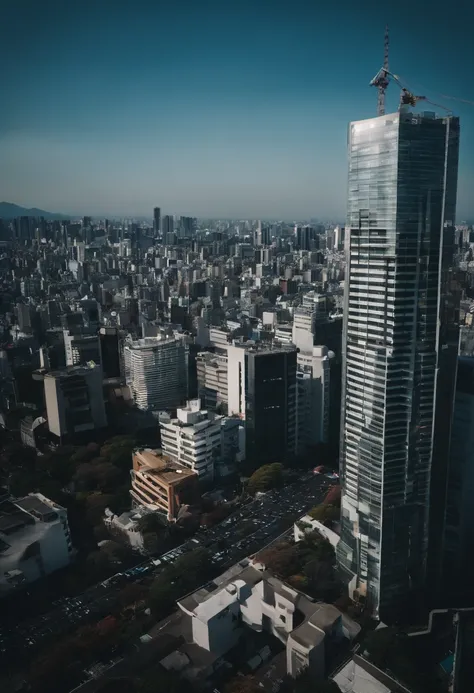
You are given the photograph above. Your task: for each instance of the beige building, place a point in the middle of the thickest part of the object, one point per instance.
(162, 485)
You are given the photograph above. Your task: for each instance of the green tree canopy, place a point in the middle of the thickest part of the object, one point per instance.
(266, 477)
(325, 513)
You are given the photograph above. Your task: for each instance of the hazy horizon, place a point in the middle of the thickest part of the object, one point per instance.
(210, 109)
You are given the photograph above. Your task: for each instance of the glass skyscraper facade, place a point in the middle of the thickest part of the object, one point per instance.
(400, 334)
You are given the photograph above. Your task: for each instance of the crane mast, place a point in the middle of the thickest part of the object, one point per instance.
(383, 80)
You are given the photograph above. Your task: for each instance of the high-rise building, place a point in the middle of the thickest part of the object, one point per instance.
(156, 221)
(212, 379)
(262, 391)
(400, 351)
(459, 530)
(81, 348)
(167, 225)
(187, 226)
(111, 351)
(156, 370)
(74, 400)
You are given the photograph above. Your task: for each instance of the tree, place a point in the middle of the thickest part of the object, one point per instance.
(152, 523)
(243, 684)
(266, 477)
(131, 593)
(95, 505)
(333, 497)
(282, 559)
(85, 477)
(118, 451)
(325, 513)
(115, 552)
(107, 475)
(187, 573)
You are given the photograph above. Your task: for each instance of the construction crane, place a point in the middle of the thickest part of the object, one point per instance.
(381, 80)
(407, 97)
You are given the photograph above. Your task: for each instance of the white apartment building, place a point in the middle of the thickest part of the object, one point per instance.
(34, 540)
(199, 440)
(156, 370)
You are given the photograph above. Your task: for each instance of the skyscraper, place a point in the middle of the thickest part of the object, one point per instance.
(156, 221)
(262, 391)
(400, 349)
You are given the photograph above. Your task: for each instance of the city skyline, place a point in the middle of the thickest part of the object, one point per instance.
(208, 111)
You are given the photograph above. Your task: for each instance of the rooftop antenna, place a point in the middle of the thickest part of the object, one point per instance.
(381, 79)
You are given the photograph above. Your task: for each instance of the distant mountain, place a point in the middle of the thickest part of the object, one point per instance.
(9, 211)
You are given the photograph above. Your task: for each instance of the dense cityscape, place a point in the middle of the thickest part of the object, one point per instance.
(236, 450)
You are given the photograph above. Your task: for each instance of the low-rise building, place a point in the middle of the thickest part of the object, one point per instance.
(34, 540)
(247, 597)
(162, 485)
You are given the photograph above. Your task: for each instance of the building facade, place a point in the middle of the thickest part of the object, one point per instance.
(262, 392)
(459, 530)
(81, 348)
(34, 540)
(212, 380)
(156, 371)
(399, 339)
(193, 439)
(161, 485)
(74, 400)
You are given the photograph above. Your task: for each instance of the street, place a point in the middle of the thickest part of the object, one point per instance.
(251, 527)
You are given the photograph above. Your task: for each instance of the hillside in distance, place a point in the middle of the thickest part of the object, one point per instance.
(8, 210)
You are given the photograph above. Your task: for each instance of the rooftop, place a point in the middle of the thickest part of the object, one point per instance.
(154, 463)
(70, 371)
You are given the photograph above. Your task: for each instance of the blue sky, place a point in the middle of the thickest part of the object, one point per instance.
(236, 108)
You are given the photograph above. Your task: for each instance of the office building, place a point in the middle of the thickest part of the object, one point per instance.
(212, 380)
(313, 376)
(262, 235)
(156, 371)
(81, 348)
(162, 485)
(304, 237)
(400, 349)
(187, 226)
(74, 400)
(156, 221)
(459, 530)
(262, 392)
(167, 225)
(34, 540)
(111, 350)
(193, 438)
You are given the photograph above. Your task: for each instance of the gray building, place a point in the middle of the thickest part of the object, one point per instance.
(74, 400)
(400, 349)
